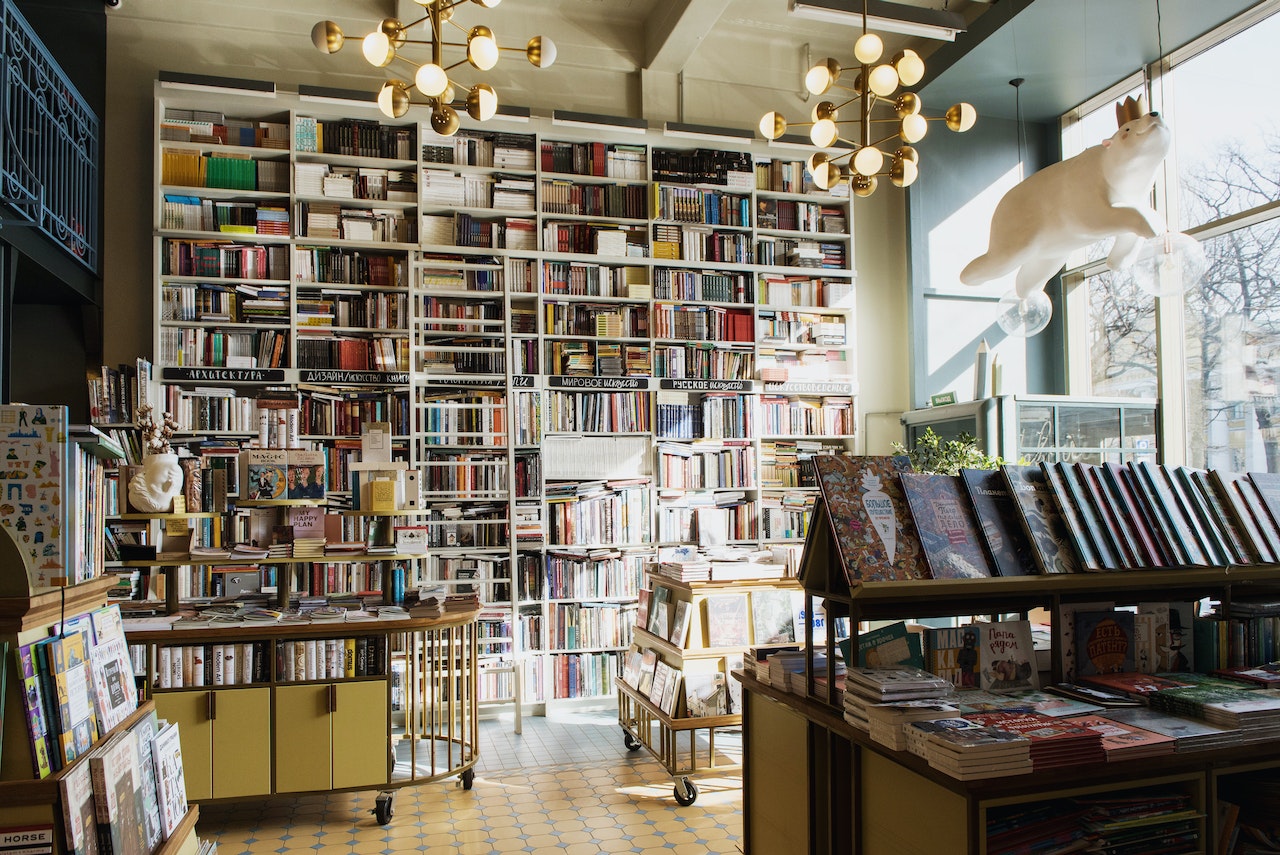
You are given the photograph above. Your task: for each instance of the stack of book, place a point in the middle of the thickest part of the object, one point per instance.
(1126, 741)
(968, 751)
(866, 686)
(885, 721)
(1254, 713)
(308, 547)
(1054, 742)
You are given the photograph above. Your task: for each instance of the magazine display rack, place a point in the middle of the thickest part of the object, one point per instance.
(408, 716)
(25, 801)
(685, 744)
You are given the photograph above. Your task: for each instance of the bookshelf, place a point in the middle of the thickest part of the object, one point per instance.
(532, 285)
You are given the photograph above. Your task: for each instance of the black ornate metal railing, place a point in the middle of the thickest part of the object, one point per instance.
(48, 143)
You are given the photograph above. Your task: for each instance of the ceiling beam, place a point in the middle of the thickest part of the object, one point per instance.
(675, 29)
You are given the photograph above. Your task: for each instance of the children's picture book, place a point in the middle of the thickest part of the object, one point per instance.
(171, 788)
(868, 515)
(1043, 525)
(77, 725)
(1007, 657)
(144, 781)
(727, 620)
(947, 526)
(34, 445)
(705, 693)
(631, 665)
(772, 617)
(1104, 642)
(680, 623)
(1065, 647)
(114, 769)
(892, 646)
(955, 654)
(44, 756)
(1171, 636)
(648, 664)
(265, 473)
(1002, 533)
(79, 823)
(305, 473)
(1076, 514)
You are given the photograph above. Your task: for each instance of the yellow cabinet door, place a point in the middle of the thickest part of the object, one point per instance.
(190, 711)
(241, 742)
(303, 747)
(361, 743)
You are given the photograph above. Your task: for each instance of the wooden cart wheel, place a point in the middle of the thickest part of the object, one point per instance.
(383, 807)
(686, 792)
(468, 778)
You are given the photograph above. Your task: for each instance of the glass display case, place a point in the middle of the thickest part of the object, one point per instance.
(1033, 428)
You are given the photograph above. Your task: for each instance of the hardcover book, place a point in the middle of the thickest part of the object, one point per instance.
(874, 534)
(1038, 514)
(44, 756)
(1247, 494)
(305, 473)
(1168, 511)
(80, 826)
(265, 472)
(1233, 538)
(1104, 642)
(728, 622)
(648, 664)
(144, 780)
(1121, 740)
(705, 693)
(1232, 503)
(955, 654)
(1112, 516)
(1002, 533)
(171, 788)
(772, 617)
(892, 646)
(1007, 656)
(1076, 513)
(680, 623)
(1149, 538)
(1196, 516)
(77, 725)
(113, 767)
(947, 526)
(1171, 635)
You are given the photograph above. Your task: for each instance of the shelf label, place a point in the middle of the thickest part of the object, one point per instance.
(598, 382)
(225, 375)
(333, 375)
(478, 382)
(706, 385)
(522, 381)
(798, 387)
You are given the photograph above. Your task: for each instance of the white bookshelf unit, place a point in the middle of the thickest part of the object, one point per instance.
(589, 350)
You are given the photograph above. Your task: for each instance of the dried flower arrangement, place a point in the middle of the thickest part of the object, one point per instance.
(155, 437)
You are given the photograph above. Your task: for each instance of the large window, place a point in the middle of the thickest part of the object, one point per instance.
(1221, 346)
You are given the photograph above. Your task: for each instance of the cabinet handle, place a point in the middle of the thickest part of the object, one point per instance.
(333, 697)
(212, 705)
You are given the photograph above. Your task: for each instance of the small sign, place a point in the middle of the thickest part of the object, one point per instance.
(333, 375)
(574, 382)
(225, 375)
(27, 840)
(177, 527)
(942, 399)
(706, 385)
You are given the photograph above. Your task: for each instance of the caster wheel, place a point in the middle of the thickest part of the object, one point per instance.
(630, 741)
(383, 808)
(686, 792)
(468, 778)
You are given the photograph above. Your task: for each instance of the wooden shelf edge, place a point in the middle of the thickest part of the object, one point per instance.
(681, 724)
(186, 827)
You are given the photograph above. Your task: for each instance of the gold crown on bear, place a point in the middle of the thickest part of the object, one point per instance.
(1129, 109)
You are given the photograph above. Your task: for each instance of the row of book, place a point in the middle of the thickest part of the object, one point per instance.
(247, 663)
(1051, 518)
(626, 201)
(701, 243)
(483, 148)
(594, 158)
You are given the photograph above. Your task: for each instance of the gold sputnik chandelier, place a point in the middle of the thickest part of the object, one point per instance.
(382, 47)
(875, 88)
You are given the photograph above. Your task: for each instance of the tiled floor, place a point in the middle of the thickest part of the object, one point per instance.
(566, 784)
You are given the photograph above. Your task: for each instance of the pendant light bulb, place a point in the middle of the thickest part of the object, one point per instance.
(541, 52)
(431, 80)
(868, 48)
(377, 49)
(482, 102)
(914, 127)
(910, 67)
(772, 125)
(883, 80)
(482, 48)
(393, 99)
(823, 133)
(868, 160)
(961, 117)
(822, 76)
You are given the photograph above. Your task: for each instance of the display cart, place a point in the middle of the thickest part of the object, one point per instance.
(674, 742)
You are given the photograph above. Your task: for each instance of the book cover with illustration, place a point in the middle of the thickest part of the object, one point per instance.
(772, 617)
(265, 473)
(875, 537)
(304, 473)
(146, 801)
(727, 620)
(892, 646)
(1092, 549)
(1104, 643)
(37, 461)
(171, 788)
(1038, 514)
(705, 693)
(1171, 636)
(1002, 533)
(1008, 657)
(77, 723)
(955, 654)
(44, 757)
(80, 825)
(947, 526)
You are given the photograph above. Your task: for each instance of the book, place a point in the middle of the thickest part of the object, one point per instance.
(1153, 481)
(947, 526)
(1005, 540)
(305, 473)
(1092, 547)
(1040, 519)
(265, 473)
(772, 617)
(171, 788)
(1104, 642)
(659, 612)
(648, 665)
(891, 646)
(868, 516)
(114, 692)
(74, 716)
(146, 801)
(1171, 634)
(1125, 741)
(705, 693)
(1007, 657)
(728, 621)
(79, 823)
(113, 766)
(680, 623)
(955, 654)
(45, 757)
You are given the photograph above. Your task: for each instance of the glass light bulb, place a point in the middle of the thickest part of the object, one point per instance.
(824, 110)
(883, 80)
(1169, 265)
(431, 80)
(482, 102)
(961, 117)
(868, 48)
(907, 104)
(903, 172)
(482, 48)
(488, 4)
(826, 175)
(1024, 316)
(914, 127)
(868, 160)
(820, 78)
(910, 67)
(377, 49)
(772, 125)
(823, 133)
(541, 52)
(817, 159)
(393, 99)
